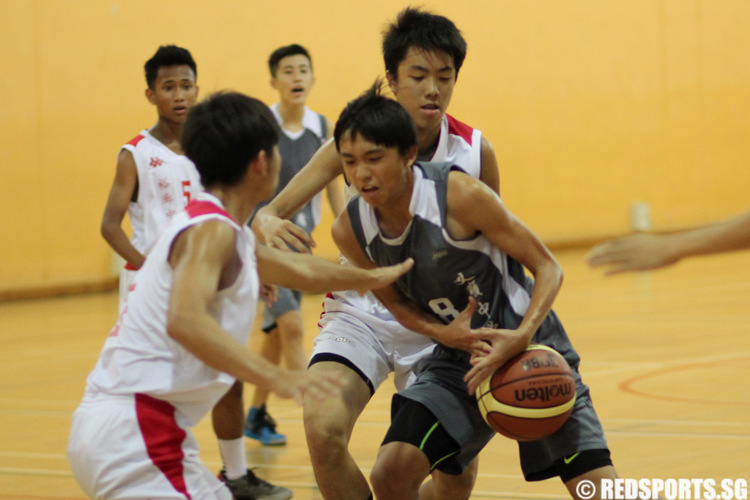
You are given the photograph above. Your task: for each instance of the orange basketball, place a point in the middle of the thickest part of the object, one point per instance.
(529, 397)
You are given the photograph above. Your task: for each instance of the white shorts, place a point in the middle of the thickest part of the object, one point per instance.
(370, 339)
(134, 447)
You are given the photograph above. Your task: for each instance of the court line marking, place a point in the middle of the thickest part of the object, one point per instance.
(680, 435)
(636, 366)
(35, 472)
(627, 385)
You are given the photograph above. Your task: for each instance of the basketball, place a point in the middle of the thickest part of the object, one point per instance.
(529, 397)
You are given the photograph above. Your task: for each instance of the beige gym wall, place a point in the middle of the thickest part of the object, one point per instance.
(591, 106)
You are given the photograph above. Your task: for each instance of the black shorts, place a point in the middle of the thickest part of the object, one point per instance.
(413, 423)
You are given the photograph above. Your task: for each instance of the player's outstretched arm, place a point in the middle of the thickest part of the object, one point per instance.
(312, 274)
(646, 251)
(270, 224)
(120, 195)
(202, 258)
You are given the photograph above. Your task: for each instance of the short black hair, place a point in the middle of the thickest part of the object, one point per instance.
(415, 27)
(224, 133)
(168, 55)
(286, 51)
(378, 119)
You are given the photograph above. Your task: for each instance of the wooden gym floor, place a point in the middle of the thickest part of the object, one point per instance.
(667, 356)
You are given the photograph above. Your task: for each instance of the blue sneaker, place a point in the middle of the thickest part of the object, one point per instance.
(260, 426)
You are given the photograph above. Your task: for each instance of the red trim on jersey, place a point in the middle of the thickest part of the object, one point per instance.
(135, 140)
(202, 207)
(130, 267)
(163, 438)
(460, 129)
(329, 295)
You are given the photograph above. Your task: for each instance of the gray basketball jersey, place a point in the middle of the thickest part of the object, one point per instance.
(447, 271)
(296, 150)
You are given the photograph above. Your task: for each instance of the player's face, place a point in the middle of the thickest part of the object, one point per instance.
(174, 93)
(424, 85)
(294, 79)
(381, 175)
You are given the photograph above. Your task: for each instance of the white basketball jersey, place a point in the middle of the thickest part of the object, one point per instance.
(167, 182)
(458, 144)
(139, 356)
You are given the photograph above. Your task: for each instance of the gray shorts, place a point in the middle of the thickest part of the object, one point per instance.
(440, 387)
(582, 432)
(289, 300)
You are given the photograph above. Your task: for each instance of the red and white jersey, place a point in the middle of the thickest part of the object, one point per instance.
(167, 182)
(458, 144)
(139, 356)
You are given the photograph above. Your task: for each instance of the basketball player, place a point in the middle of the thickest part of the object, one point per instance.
(644, 251)
(359, 338)
(303, 132)
(179, 343)
(154, 180)
(469, 253)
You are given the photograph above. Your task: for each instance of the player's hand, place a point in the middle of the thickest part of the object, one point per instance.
(383, 276)
(504, 344)
(298, 385)
(282, 234)
(635, 252)
(458, 334)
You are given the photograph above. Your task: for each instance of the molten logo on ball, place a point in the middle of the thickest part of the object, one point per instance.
(529, 397)
(545, 393)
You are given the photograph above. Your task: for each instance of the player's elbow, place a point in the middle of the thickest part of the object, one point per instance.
(179, 324)
(557, 272)
(550, 272)
(105, 229)
(109, 227)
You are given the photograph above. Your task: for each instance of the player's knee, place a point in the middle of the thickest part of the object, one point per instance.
(236, 390)
(291, 333)
(398, 468)
(389, 479)
(326, 434)
(233, 396)
(455, 487)
(290, 326)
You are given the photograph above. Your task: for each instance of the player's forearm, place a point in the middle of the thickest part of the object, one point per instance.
(547, 283)
(307, 273)
(724, 236)
(197, 332)
(336, 198)
(412, 317)
(120, 243)
(314, 275)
